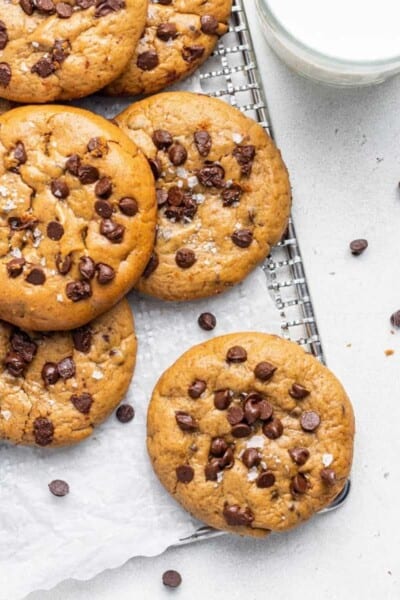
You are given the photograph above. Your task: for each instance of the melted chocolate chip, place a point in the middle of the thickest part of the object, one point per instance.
(15, 364)
(162, 139)
(299, 484)
(222, 399)
(58, 487)
(236, 354)
(78, 290)
(177, 154)
(36, 276)
(241, 430)
(50, 374)
(27, 6)
(105, 7)
(45, 6)
(105, 273)
(235, 415)
(20, 153)
(128, 206)
(252, 411)
(202, 139)
(22, 343)
(185, 421)
(264, 371)
(236, 516)
(184, 473)
(227, 460)
(87, 174)
(72, 165)
(218, 447)
(245, 156)
(328, 476)
(82, 339)
(251, 458)
(211, 175)
(5, 74)
(192, 53)
(185, 258)
(15, 267)
(55, 231)
(59, 189)
(274, 429)
(242, 237)
(151, 266)
(209, 24)
(43, 431)
(64, 10)
(231, 195)
(212, 469)
(266, 410)
(97, 147)
(207, 321)
(125, 413)
(171, 578)
(66, 368)
(265, 479)
(44, 67)
(87, 267)
(310, 420)
(113, 231)
(299, 455)
(3, 35)
(147, 61)
(63, 264)
(83, 402)
(166, 31)
(103, 188)
(103, 208)
(197, 388)
(155, 166)
(298, 392)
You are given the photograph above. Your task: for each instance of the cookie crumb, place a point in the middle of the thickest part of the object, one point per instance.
(389, 352)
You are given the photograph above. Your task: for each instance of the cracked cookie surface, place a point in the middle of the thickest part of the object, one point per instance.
(250, 433)
(63, 49)
(178, 37)
(77, 216)
(56, 387)
(222, 189)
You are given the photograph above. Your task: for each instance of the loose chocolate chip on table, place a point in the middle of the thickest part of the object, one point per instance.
(299, 484)
(218, 447)
(328, 476)
(162, 139)
(222, 399)
(177, 154)
(202, 139)
(82, 402)
(27, 6)
(125, 413)
(209, 24)
(14, 364)
(147, 61)
(185, 258)
(310, 420)
(186, 422)
(72, 165)
(274, 429)
(5, 74)
(55, 231)
(197, 388)
(211, 175)
(241, 430)
(264, 371)
(105, 273)
(58, 487)
(265, 479)
(87, 267)
(298, 392)
(15, 267)
(36, 276)
(43, 431)
(63, 264)
(235, 415)
(236, 516)
(207, 321)
(82, 339)
(3, 35)
(50, 374)
(59, 189)
(88, 174)
(212, 469)
(184, 473)
(299, 455)
(245, 156)
(236, 354)
(242, 237)
(66, 368)
(192, 53)
(171, 578)
(395, 319)
(251, 458)
(231, 195)
(357, 247)
(103, 208)
(103, 188)
(113, 231)
(155, 166)
(44, 67)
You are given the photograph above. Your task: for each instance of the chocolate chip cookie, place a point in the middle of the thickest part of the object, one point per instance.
(55, 387)
(179, 36)
(77, 216)
(4, 106)
(250, 433)
(63, 49)
(222, 189)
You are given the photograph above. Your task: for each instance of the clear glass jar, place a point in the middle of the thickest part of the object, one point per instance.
(302, 54)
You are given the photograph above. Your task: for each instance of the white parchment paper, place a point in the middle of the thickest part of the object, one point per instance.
(116, 508)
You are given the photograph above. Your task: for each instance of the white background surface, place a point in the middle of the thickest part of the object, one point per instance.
(342, 148)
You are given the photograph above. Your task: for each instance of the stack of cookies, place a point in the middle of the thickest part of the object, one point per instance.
(181, 196)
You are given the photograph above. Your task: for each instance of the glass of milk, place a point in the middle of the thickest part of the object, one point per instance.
(340, 42)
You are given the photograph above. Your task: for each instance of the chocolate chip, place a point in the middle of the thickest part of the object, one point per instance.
(186, 422)
(36, 276)
(22, 343)
(59, 189)
(64, 11)
(43, 431)
(171, 578)
(299, 484)
(185, 258)
(245, 156)
(252, 411)
(63, 264)
(82, 339)
(72, 165)
(155, 166)
(20, 153)
(78, 290)
(45, 6)
(105, 273)
(242, 237)
(236, 516)
(212, 469)
(395, 319)
(15, 267)
(103, 188)
(113, 231)
(128, 206)
(18, 224)
(125, 413)
(55, 230)
(82, 403)
(147, 61)
(66, 368)
(5, 74)
(310, 420)
(209, 24)
(58, 487)
(177, 154)
(103, 208)
(227, 460)
(207, 321)
(44, 67)
(298, 392)
(264, 371)
(50, 374)
(241, 430)
(357, 247)
(61, 51)
(197, 388)
(97, 147)
(299, 455)
(87, 267)
(235, 415)
(105, 7)
(265, 479)
(184, 473)
(166, 31)
(175, 196)
(236, 354)
(151, 265)
(274, 429)
(328, 476)
(15, 364)
(231, 195)
(192, 53)
(202, 139)
(222, 399)
(88, 174)
(211, 175)
(27, 6)
(162, 139)
(251, 458)
(218, 447)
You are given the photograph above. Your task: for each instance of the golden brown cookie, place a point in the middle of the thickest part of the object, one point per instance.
(62, 49)
(77, 216)
(250, 433)
(55, 387)
(4, 106)
(179, 36)
(222, 189)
